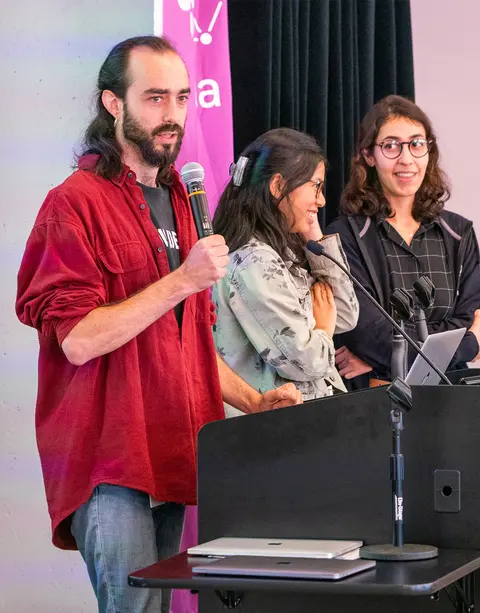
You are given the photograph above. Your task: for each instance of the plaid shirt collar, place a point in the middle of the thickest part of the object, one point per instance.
(381, 222)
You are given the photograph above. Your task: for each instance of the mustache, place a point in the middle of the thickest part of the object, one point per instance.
(168, 127)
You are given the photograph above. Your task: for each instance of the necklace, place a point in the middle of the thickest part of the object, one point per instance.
(407, 232)
(412, 234)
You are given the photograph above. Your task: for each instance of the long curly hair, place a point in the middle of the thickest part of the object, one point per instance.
(99, 136)
(250, 210)
(364, 195)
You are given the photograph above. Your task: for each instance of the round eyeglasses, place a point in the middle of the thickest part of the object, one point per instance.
(392, 149)
(319, 185)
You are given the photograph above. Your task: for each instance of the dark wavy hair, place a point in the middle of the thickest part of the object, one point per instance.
(251, 210)
(364, 195)
(99, 136)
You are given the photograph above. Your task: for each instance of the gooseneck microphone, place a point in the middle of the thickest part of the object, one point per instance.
(425, 295)
(318, 249)
(192, 175)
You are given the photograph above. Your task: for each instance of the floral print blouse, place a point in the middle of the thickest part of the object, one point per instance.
(265, 329)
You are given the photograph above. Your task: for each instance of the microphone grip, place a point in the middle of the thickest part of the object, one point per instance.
(199, 205)
(398, 366)
(421, 324)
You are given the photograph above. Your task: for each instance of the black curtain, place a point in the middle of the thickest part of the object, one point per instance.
(317, 66)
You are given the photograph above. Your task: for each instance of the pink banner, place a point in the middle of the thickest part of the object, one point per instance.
(199, 31)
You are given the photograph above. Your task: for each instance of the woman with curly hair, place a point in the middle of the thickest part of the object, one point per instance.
(394, 229)
(279, 305)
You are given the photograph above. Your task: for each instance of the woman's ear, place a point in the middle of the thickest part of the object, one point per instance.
(277, 185)
(368, 157)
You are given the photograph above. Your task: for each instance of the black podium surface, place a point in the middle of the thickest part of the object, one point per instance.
(386, 579)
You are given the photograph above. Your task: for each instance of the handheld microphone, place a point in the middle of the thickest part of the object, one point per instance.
(425, 294)
(192, 175)
(318, 249)
(402, 305)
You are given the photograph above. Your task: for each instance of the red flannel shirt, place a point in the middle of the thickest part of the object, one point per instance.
(131, 417)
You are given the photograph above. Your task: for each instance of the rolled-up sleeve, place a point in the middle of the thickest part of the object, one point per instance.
(272, 314)
(343, 291)
(59, 281)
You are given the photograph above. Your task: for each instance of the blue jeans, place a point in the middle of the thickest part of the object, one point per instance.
(117, 532)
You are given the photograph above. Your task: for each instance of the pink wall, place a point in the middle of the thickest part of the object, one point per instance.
(446, 45)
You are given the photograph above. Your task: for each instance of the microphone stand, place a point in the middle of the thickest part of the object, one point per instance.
(402, 306)
(400, 397)
(398, 366)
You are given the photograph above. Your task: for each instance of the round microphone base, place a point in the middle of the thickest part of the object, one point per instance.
(388, 552)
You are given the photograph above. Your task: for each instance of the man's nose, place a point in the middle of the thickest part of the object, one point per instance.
(170, 110)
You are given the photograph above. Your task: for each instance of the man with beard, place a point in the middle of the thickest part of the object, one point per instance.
(128, 373)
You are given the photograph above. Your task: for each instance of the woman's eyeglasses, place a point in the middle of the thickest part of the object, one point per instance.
(392, 149)
(319, 185)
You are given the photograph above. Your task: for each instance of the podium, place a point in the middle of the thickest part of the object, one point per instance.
(321, 470)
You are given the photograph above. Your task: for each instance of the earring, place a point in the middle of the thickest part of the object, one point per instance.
(115, 122)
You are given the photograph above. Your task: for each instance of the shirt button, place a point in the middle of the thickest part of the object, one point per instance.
(142, 206)
(130, 175)
(159, 249)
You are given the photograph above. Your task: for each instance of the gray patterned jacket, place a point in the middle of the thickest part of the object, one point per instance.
(265, 329)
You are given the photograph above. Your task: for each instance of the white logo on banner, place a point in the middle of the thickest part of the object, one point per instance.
(208, 98)
(196, 31)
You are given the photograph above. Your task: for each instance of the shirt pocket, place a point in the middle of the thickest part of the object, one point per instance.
(125, 269)
(124, 257)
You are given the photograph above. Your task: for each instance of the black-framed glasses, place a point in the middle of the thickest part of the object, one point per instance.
(319, 185)
(392, 148)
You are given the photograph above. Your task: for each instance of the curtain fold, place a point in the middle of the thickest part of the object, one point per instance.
(317, 66)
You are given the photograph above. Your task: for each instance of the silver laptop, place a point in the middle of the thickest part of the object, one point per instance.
(291, 548)
(440, 348)
(287, 568)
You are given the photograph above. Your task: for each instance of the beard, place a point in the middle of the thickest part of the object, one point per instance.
(157, 156)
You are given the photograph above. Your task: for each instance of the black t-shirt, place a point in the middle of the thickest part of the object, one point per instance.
(161, 213)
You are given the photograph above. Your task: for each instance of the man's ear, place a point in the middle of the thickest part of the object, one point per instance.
(277, 184)
(113, 104)
(368, 157)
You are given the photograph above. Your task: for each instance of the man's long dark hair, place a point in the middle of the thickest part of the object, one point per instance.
(363, 194)
(250, 210)
(100, 134)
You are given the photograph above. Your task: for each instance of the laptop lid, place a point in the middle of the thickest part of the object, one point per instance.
(293, 548)
(440, 348)
(288, 568)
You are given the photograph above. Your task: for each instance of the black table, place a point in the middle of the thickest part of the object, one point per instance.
(387, 585)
